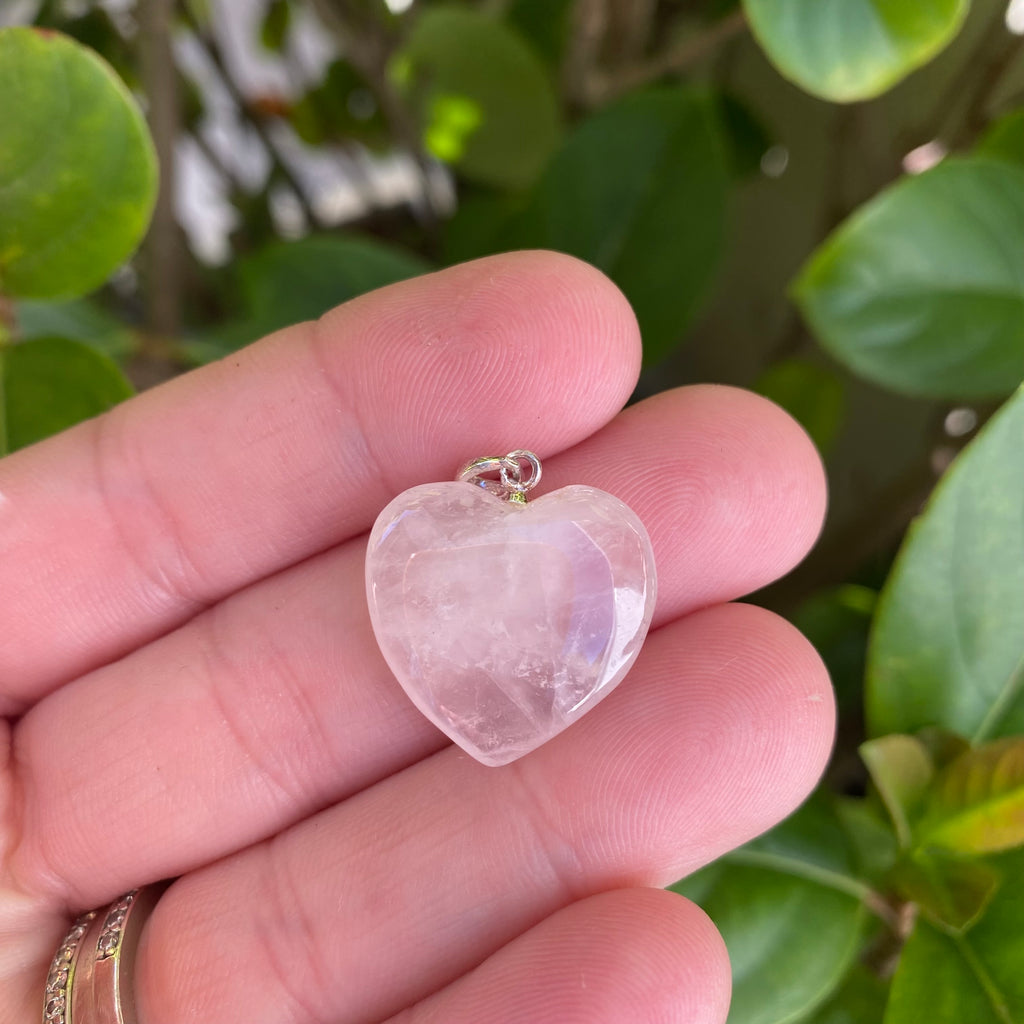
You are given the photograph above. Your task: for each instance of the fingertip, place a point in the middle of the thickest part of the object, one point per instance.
(518, 332)
(780, 508)
(764, 698)
(626, 956)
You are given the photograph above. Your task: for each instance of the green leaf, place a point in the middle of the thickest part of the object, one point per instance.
(52, 383)
(479, 226)
(790, 913)
(547, 24)
(901, 769)
(78, 319)
(340, 109)
(482, 96)
(860, 1000)
(288, 282)
(947, 646)
(77, 168)
(967, 979)
(744, 133)
(977, 803)
(952, 891)
(922, 290)
(846, 50)
(653, 222)
(1004, 140)
(276, 23)
(813, 395)
(871, 836)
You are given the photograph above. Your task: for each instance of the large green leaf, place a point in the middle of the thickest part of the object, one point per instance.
(639, 190)
(977, 803)
(788, 907)
(52, 383)
(859, 1000)
(78, 319)
(547, 24)
(77, 169)
(947, 647)
(846, 50)
(287, 282)
(482, 95)
(974, 978)
(922, 290)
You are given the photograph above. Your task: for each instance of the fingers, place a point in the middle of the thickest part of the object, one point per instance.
(630, 956)
(730, 489)
(124, 527)
(278, 702)
(722, 729)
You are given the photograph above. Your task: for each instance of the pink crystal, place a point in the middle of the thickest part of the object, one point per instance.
(506, 622)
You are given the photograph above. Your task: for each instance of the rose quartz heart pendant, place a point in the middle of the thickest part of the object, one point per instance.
(506, 621)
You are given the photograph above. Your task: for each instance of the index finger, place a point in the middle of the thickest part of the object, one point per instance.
(124, 527)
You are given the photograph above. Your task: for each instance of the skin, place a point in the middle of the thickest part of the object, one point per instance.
(192, 690)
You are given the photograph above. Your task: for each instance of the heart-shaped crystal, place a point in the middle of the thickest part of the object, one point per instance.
(505, 622)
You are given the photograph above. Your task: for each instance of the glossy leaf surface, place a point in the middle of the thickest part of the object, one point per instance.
(52, 383)
(947, 647)
(787, 907)
(922, 290)
(77, 168)
(845, 50)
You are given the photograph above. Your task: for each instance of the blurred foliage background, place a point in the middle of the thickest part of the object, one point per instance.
(822, 200)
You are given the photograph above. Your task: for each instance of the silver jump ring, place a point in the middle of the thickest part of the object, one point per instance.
(512, 472)
(509, 468)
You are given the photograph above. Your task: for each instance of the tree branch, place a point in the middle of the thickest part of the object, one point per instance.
(671, 61)
(163, 252)
(579, 68)
(213, 53)
(968, 83)
(366, 44)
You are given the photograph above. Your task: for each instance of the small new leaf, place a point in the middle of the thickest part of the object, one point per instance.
(977, 803)
(901, 769)
(952, 891)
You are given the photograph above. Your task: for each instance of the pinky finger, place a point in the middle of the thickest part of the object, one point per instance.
(631, 956)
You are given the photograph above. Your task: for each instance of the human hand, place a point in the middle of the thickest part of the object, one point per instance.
(192, 688)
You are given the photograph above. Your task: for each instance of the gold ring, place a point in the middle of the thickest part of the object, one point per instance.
(90, 981)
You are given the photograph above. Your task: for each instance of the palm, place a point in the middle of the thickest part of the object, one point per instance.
(194, 689)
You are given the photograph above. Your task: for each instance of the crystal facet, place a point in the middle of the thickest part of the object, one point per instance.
(505, 622)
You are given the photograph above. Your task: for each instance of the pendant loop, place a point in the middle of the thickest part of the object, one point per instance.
(512, 485)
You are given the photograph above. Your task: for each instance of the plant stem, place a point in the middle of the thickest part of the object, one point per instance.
(672, 61)
(212, 50)
(367, 45)
(163, 254)
(967, 82)
(579, 68)
(874, 901)
(8, 324)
